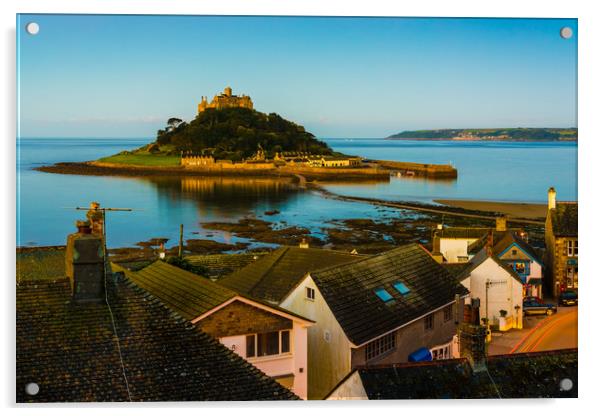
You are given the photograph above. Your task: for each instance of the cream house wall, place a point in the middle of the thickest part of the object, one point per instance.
(351, 389)
(293, 362)
(451, 248)
(329, 350)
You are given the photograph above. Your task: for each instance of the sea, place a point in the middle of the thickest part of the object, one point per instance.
(47, 202)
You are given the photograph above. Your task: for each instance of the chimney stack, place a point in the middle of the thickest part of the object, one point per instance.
(96, 219)
(551, 198)
(84, 264)
(501, 223)
(303, 243)
(472, 337)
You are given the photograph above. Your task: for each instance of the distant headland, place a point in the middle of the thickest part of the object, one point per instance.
(229, 137)
(510, 134)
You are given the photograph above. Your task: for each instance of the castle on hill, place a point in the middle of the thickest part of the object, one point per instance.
(226, 100)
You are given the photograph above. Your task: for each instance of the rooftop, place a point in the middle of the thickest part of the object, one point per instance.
(186, 293)
(71, 352)
(565, 219)
(529, 375)
(510, 238)
(349, 290)
(272, 277)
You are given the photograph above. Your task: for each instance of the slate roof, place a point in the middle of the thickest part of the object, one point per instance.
(186, 293)
(527, 375)
(349, 291)
(219, 265)
(456, 269)
(565, 219)
(273, 276)
(461, 232)
(478, 259)
(508, 239)
(71, 352)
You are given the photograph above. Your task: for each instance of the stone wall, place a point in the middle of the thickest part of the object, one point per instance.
(240, 318)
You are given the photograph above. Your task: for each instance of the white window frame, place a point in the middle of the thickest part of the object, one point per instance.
(572, 249)
(380, 346)
(310, 293)
(255, 338)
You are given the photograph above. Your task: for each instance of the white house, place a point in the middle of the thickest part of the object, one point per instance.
(498, 287)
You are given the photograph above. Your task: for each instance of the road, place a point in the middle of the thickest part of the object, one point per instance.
(555, 332)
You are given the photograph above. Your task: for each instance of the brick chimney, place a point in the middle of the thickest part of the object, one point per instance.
(472, 337)
(489, 243)
(84, 264)
(551, 198)
(303, 243)
(96, 218)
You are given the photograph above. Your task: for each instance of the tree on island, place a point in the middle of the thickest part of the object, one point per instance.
(237, 133)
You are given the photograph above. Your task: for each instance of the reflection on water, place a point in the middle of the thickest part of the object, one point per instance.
(488, 171)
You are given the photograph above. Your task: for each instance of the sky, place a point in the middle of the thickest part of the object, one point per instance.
(124, 76)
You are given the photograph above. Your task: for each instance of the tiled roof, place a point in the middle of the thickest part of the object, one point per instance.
(219, 265)
(272, 277)
(186, 293)
(565, 219)
(479, 258)
(530, 375)
(510, 238)
(349, 291)
(461, 232)
(456, 269)
(69, 350)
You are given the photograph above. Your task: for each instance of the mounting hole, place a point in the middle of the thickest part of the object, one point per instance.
(32, 389)
(32, 28)
(566, 384)
(566, 32)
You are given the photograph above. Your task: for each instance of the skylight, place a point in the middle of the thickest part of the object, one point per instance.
(383, 294)
(401, 288)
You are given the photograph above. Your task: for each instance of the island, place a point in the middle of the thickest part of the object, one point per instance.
(229, 137)
(507, 134)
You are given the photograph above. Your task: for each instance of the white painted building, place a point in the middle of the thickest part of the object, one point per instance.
(498, 287)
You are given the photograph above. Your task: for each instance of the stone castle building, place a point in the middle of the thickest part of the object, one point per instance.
(226, 100)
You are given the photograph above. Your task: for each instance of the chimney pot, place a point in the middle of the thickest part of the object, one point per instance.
(551, 198)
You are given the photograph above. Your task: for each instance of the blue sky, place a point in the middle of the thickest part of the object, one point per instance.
(123, 76)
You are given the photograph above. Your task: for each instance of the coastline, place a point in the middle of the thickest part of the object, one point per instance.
(512, 209)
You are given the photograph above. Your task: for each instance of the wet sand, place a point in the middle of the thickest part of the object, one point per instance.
(512, 209)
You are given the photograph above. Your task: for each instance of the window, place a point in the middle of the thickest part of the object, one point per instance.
(514, 252)
(250, 345)
(401, 288)
(520, 268)
(383, 294)
(310, 293)
(268, 343)
(380, 346)
(429, 322)
(571, 248)
(285, 341)
(447, 313)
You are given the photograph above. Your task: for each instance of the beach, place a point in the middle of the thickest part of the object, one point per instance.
(512, 209)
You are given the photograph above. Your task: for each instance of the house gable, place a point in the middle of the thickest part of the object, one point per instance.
(241, 318)
(329, 349)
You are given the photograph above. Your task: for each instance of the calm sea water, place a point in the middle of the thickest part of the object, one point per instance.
(45, 202)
